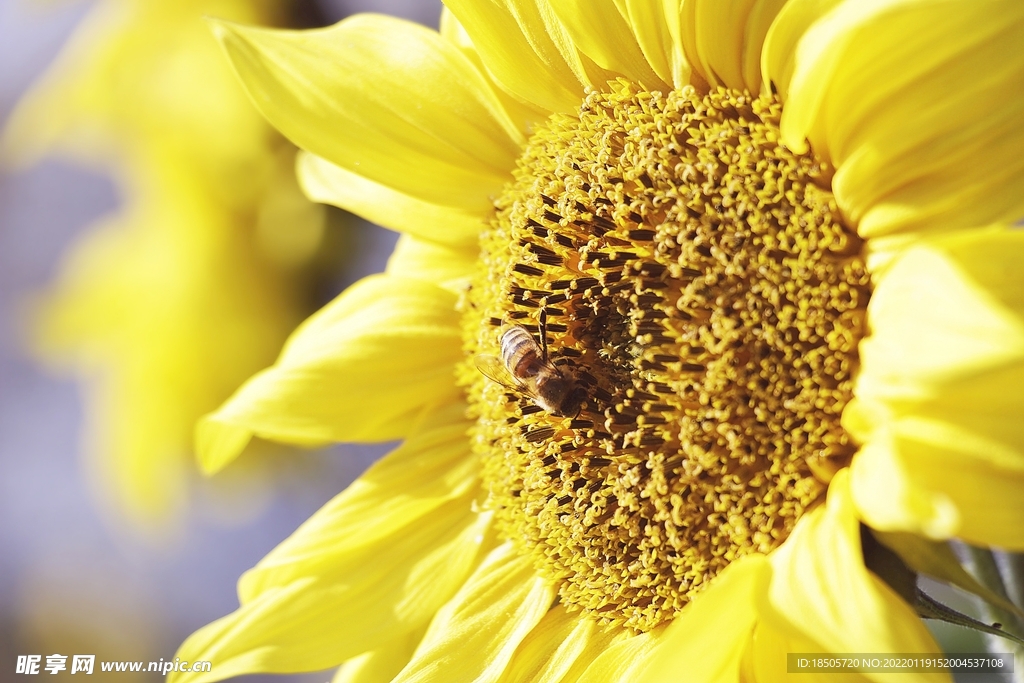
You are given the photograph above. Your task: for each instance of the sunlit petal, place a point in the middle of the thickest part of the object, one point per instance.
(474, 636)
(397, 335)
(917, 104)
(329, 183)
(374, 563)
(822, 595)
(434, 129)
(939, 393)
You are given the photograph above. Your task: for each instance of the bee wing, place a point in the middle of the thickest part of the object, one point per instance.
(494, 370)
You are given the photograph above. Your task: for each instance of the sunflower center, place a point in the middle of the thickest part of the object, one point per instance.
(702, 302)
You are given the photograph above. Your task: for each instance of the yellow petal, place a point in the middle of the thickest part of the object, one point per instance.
(165, 307)
(706, 642)
(937, 480)
(399, 336)
(779, 52)
(526, 50)
(624, 660)
(983, 411)
(113, 89)
(656, 27)
(453, 31)
(314, 623)
(432, 468)
(946, 310)
(380, 665)
(917, 104)
(376, 562)
(446, 267)
(473, 637)
(558, 649)
(939, 392)
(525, 114)
(536, 659)
(400, 105)
(603, 33)
(723, 39)
(889, 498)
(822, 593)
(767, 659)
(331, 184)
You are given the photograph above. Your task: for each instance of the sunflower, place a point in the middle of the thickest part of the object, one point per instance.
(193, 284)
(763, 247)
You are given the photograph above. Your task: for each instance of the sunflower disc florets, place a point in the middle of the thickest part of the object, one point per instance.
(702, 290)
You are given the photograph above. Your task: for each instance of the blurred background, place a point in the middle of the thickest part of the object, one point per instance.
(155, 252)
(149, 222)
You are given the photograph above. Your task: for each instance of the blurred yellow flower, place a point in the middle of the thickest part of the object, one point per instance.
(762, 247)
(166, 306)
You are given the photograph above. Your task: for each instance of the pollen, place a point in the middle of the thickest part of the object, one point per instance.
(696, 283)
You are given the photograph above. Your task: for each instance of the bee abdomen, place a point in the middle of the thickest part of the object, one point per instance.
(520, 353)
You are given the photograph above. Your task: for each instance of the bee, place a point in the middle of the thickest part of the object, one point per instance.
(525, 367)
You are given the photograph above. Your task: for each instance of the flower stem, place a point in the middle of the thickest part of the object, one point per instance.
(1003, 573)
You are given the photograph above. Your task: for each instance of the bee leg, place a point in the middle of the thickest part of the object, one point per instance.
(579, 397)
(544, 333)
